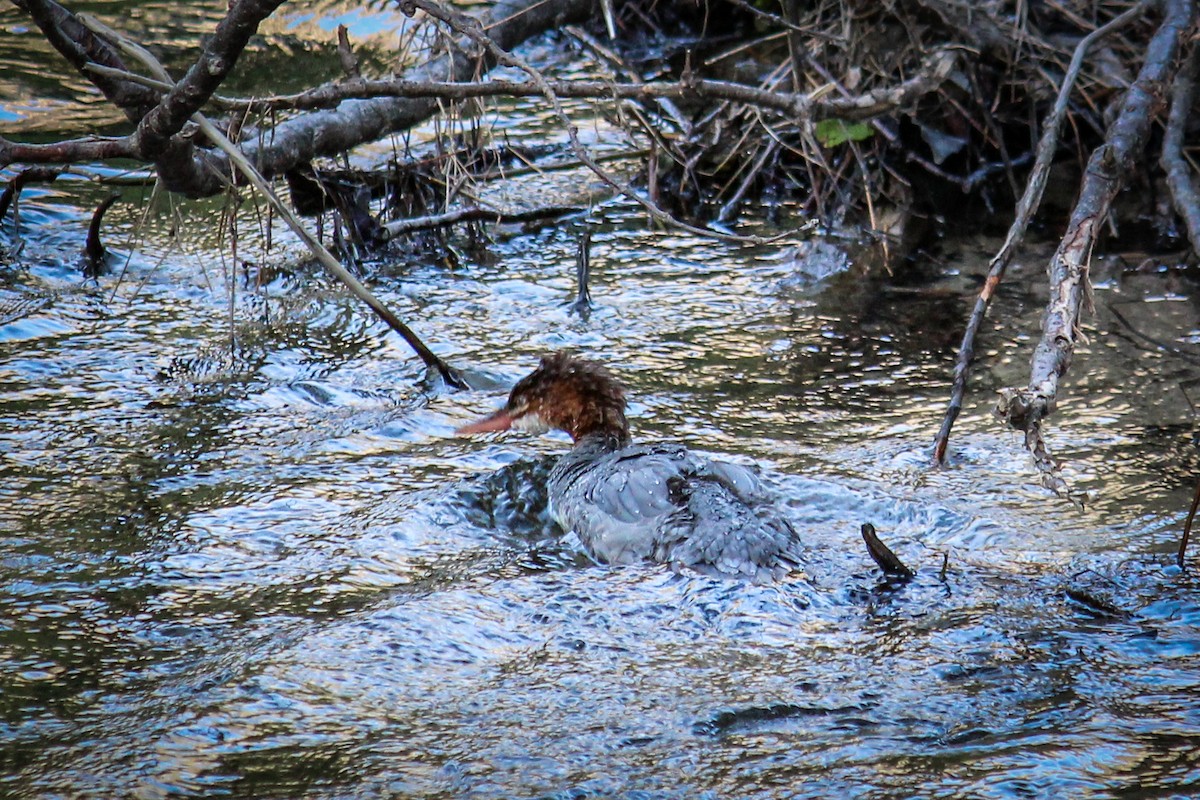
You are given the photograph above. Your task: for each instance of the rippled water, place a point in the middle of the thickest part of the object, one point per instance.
(269, 568)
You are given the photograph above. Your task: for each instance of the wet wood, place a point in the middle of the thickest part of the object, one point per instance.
(1187, 528)
(882, 555)
(1179, 173)
(94, 251)
(197, 172)
(12, 190)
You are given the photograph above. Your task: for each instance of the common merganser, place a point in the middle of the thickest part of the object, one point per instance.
(656, 502)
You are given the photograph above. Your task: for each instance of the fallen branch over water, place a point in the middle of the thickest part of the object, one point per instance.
(476, 214)
(795, 106)
(1027, 408)
(198, 172)
(1027, 206)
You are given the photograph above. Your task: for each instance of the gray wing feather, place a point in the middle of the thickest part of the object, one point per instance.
(669, 505)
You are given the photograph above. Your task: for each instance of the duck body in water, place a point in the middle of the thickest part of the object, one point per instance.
(658, 502)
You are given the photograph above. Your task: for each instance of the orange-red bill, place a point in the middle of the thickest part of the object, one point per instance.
(500, 421)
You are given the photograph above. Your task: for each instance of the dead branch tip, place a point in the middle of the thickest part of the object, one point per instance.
(1187, 528)
(94, 251)
(583, 270)
(883, 556)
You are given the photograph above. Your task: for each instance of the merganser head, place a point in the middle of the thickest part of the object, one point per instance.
(565, 393)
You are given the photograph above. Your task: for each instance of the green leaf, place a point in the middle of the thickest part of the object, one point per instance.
(832, 132)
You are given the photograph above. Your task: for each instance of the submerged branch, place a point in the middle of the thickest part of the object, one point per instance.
(883, 556)
(94, 251)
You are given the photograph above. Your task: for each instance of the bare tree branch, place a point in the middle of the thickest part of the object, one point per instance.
(155, 135)
(1025, 409)
(432, 361)
(1179, 177)
(197, 172)
(81, 47)
(1027, 206)
(72, 151)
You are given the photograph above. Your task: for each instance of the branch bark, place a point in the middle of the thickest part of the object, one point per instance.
(1179, 177)
(323, 256)
(197, 172)
(81, 47)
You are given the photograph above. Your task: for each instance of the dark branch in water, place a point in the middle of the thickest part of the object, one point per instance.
(583, 270)
(1098, 606)
(93, 251)
(882, 554)
(794, 106)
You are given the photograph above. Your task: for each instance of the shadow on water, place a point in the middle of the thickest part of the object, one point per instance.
(271, 570)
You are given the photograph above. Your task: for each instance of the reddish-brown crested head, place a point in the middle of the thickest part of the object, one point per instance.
(570, 394)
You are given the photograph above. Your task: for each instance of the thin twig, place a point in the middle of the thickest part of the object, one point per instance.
(471, 28)
(1163, 346)
(1187, 527)
(477, 214)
